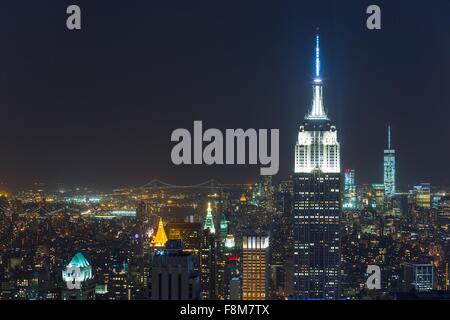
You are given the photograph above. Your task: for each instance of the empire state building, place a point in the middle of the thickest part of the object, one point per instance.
(317, 201)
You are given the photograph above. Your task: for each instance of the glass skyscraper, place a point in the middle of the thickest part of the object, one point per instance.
(317, 206)
(349, 201)
(389, 168)
(418, 277)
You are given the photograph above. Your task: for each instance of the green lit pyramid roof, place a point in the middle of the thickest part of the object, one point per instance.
(84, 269)
(78, 260)
(209, 221)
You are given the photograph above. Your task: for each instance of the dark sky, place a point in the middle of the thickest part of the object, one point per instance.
(96, 107)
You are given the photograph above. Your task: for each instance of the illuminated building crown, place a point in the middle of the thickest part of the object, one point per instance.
(317, 146)
(78, 261)
(224, 224)
(209, 221)
(160, 238)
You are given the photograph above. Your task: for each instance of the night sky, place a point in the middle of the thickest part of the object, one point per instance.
(96, 107)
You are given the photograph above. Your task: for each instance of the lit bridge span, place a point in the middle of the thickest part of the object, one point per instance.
(210, 184)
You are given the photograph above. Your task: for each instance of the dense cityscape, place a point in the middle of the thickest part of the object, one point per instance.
(309, 236)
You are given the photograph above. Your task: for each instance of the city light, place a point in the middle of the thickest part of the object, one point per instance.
(112, 188)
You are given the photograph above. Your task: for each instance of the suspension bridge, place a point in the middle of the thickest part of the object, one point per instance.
(209, 184)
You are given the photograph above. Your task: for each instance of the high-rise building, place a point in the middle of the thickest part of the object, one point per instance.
(378, 196)
(223, 228)
(222, 255)
(160, 238)
(231, 273)
(316, 202)
(444, 211)
(78, 279)
(418, 277)
(142, 212)
(389, 168)
(118, 286)
(422, 194)
(208, 265)
(209, 220)
(400, 203)
(281, 243)
(190, 234)
(209, 251)
(350, 200)
(235, 289)
(140, 229)
(254, 267)
(137, 274)
(172, 274)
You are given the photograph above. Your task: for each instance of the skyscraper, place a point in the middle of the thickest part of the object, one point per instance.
(172, 274)
(316, 201)
(222, 255)
(254, 267)
(444, 212)
(160, 238)
(422, 194)
(389, 168)
(378, 196)
(349, 202)
(208, 265)
(418, 277)
(140, 229)
(190, 234)
(78, 279)
(209, 221)
(281, 243)
(208, 258)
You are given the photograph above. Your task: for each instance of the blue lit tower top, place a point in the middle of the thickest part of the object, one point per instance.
(317, 57)
(317, 111)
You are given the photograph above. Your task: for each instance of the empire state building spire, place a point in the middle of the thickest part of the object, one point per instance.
(317, 111)
(317, 56)
(317, 145)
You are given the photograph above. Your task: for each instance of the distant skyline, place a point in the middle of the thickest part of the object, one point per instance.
(96, 107)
